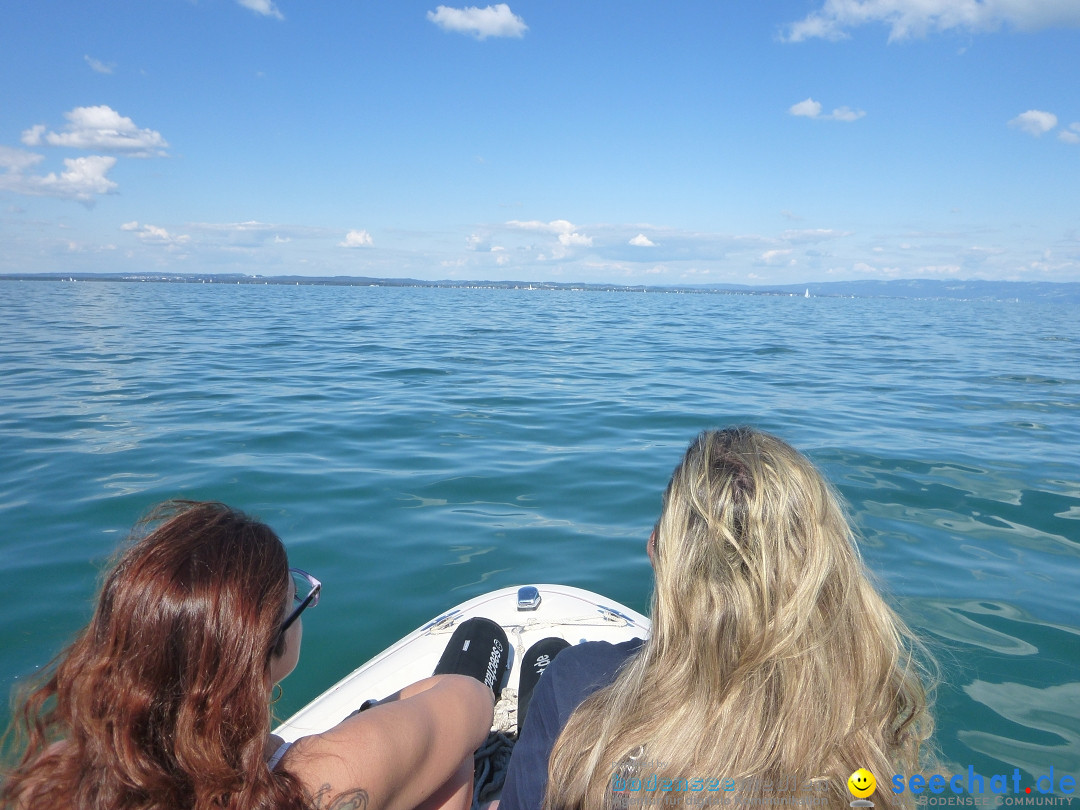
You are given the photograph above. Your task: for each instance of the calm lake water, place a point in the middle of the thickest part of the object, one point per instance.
(417, 447)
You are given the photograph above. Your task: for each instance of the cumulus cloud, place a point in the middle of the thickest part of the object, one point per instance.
(99, 128)
(356, 239)
(641, 240)
(537, 225)
(917, 18)
(82, 179)
(491, 21)
(483, 244)
(154, 235)
(812, 109)
(777, 257)
(846, 114)
(808, 108)
(575, 240)
(566, 232)
(263, 7)
(1070, 135)
(98, 66)
(17, 160)
(33, 135)
(1035, 122)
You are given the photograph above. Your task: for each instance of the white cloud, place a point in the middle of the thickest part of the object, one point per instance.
(916, 18)
(99, 128)
(641, 240)
(492, 21)
(154, 235)
(1070, 135)
(264, 7)
(84, 177)
(847, 114)
(808, 108)
(537, 225)
(98, 66)
(812, 109)
(575, 240)
(1035, 122)
(556, 226)
(566, 232)
(32, 136)
(482, 244)
(777, 257)
(17, 160)
(355, 239)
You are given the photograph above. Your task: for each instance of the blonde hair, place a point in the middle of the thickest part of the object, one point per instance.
(773, 661)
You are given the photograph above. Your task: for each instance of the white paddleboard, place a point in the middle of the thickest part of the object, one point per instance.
(528, 614)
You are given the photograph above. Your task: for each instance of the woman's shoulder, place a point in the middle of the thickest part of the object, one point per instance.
(589, 655)
(583, 668)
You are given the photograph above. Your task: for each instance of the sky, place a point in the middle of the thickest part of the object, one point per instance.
(632, 142)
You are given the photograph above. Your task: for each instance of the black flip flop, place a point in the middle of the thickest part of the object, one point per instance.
(533, 665)
(479, 648)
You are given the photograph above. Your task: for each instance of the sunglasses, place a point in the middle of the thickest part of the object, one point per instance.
(305, 584)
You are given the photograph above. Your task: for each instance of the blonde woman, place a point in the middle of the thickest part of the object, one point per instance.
(774, 668)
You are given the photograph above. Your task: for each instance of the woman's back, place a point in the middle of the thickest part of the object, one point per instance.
(773, 662)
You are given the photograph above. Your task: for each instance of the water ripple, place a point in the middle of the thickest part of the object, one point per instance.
(417, 446)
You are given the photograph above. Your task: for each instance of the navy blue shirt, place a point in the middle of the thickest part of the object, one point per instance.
(575, 674)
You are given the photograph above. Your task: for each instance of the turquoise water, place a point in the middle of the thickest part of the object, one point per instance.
(416, 447)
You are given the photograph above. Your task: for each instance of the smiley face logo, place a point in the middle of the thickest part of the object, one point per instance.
(861, 783)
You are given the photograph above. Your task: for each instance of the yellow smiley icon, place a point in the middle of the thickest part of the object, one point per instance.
(861, 783)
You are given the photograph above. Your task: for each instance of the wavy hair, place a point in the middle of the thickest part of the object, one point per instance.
(161, 702)
(773, 661)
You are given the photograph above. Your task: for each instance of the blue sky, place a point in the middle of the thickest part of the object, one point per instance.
(728, 141)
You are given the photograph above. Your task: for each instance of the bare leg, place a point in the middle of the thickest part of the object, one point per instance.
(456, 792)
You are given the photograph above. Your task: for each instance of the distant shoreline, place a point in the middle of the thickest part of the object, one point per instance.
(975, 290)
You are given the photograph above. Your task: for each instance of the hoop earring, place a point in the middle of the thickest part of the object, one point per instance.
(276, 693)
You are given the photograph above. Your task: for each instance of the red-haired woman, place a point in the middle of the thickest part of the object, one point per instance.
(163, 700)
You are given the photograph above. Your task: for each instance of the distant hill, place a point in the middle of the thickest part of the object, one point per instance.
(1067, 292)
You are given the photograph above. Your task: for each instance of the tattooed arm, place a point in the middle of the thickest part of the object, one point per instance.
(326, 799)
(412, 752)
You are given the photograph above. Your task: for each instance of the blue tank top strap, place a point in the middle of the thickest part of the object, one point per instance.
(275, 758)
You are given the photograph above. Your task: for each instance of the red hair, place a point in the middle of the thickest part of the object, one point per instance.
(161, 702)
